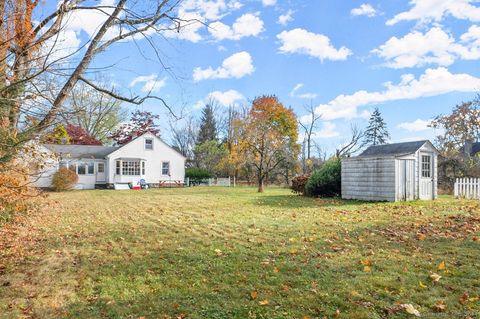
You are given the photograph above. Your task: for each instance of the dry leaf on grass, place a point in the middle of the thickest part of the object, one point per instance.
(264, 302)
(435, 277)
(440, 306)
(442, 266)
(410, 309)
(253, 295)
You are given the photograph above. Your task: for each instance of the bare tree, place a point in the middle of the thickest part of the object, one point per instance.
(29, 53)
(184, 137)
(353, 145)
(309, 128)
(99, 114)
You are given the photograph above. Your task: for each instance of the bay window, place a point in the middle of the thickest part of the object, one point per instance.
(131, 168)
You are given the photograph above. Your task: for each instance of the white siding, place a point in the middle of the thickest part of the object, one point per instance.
(153, 161)
(368, 178)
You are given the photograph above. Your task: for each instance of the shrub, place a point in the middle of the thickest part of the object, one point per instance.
(298, 184)
(197, 174)
(64, 179)
(326, 181)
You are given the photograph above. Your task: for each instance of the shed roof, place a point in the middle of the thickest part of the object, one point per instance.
(394, 149)
(81, 151)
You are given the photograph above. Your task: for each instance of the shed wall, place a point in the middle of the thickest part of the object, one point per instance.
(368, 178)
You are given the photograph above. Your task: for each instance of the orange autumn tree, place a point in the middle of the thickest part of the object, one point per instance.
(270, 137)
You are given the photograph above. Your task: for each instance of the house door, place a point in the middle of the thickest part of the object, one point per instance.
(406, 185)
(426, 176)
(100, 176)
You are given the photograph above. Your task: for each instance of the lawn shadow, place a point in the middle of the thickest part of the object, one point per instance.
(298, 201)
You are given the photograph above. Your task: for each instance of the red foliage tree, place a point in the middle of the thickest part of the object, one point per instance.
(80, 136)
(140, 123)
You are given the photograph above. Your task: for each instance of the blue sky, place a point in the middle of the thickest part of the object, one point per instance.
(413, 59)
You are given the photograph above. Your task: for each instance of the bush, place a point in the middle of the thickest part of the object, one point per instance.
(326, 181)
(298, 184)
(197, 174)
(64, 179)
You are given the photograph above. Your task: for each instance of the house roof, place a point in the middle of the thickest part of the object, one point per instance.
(81, 151)
(394, 149)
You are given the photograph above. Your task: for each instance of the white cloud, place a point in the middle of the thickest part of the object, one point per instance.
(151, 83)
(328, 130)
(248, 25)
(297, 87)
(286, 18)
(364, 10)
(315, 45)
(433, 82)
(210, 9)
(237, 66)
(196, 13)
(417, 49)
(436, 10)
(269, 2)
(415, 126)
(226, 98)
(436, 46)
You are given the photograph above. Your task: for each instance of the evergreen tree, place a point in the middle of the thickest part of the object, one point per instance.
(376, 132)
(208, 126)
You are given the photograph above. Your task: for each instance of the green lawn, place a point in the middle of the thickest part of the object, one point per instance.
(233, 253)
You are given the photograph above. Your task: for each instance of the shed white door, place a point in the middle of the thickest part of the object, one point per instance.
(406, 180)
(426, 176)
(100, 176)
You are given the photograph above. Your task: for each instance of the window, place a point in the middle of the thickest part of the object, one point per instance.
(143, 168)
(81, 169)
(149, 144)
(131, 168)
(426, 166)
(100, 168)
(118, 166)
(91, 167)
(165, 168)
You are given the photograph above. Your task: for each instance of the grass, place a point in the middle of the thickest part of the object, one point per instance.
(233, 253)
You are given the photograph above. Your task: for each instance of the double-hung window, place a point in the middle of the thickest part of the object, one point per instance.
(165, 168)
(149, 143)
(118, 167)
(81, 169)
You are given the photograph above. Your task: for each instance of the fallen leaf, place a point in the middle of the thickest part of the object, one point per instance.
(367, 269)
(435, 277)
(442, 266)
(253, 295)
(411, 310)
(218, 252)
(422, 285)
(464, 298)
(264, 302)
(421, 236)
(440, 306)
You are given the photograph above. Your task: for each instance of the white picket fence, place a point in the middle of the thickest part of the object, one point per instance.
(467, 188)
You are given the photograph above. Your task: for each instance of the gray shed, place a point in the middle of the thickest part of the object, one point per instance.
(392, 172)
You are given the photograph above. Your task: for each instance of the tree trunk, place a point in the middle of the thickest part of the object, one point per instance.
(260, 185)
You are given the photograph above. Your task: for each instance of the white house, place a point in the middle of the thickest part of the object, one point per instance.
(146, 157)
(392, 172)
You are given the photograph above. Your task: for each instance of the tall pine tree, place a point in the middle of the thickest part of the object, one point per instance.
(376, 132)
(208, 125)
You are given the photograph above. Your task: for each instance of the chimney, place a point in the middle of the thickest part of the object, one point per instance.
(468, 147)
